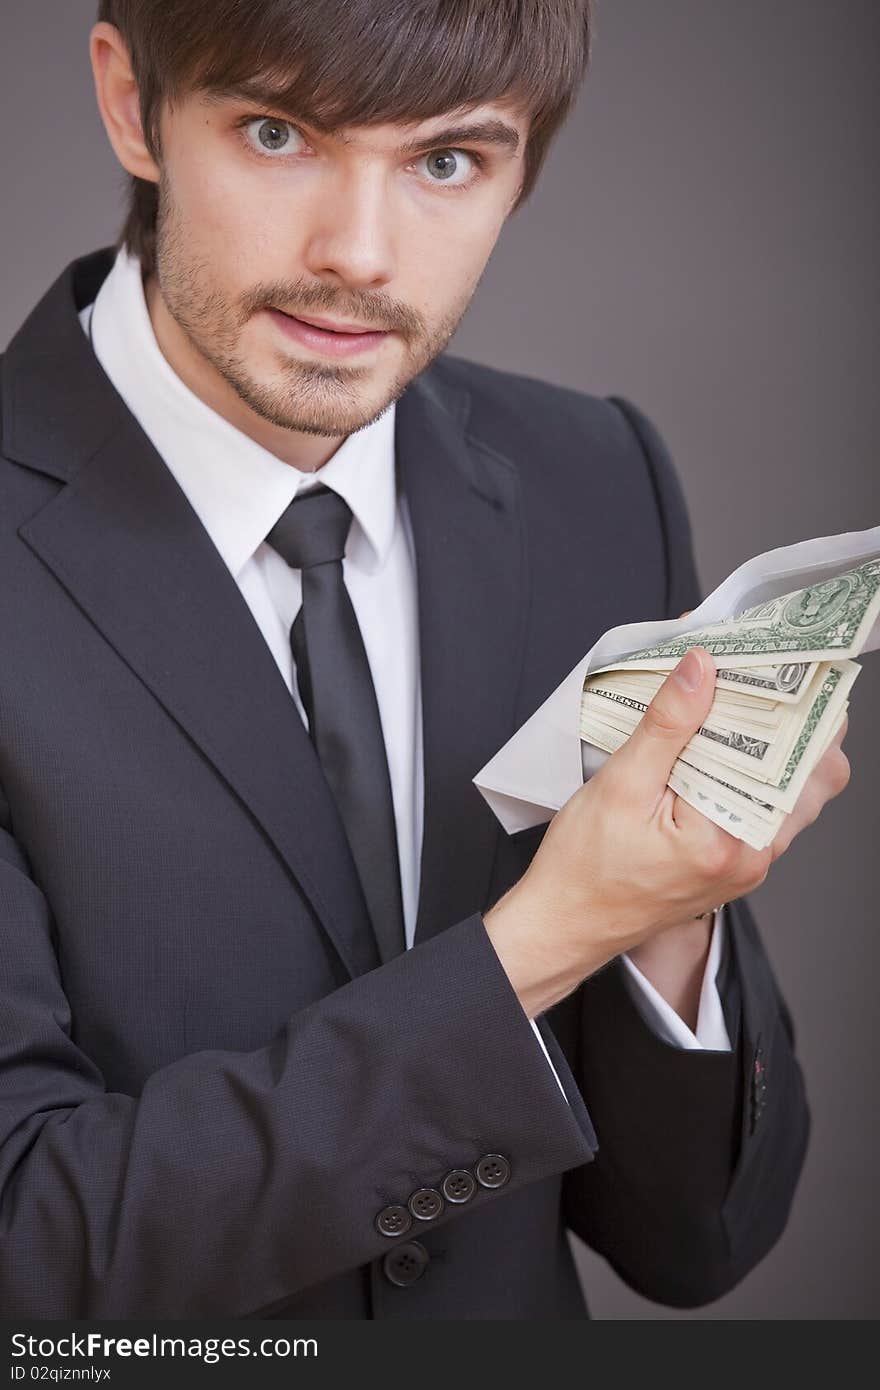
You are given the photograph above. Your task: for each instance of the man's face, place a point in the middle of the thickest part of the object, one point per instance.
(378, 227)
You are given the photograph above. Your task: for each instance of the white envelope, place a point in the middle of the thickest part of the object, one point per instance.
(545, 761)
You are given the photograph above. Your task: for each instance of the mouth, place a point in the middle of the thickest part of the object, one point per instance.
(336, 326)
(327, 337)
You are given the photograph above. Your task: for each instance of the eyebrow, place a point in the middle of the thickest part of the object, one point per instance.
(488, 132)
(492, 132)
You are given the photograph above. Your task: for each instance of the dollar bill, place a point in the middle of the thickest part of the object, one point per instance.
(785, 681)
(764, 755)
(784, 676)
(812, 740)
(750, 685)
(828, 619)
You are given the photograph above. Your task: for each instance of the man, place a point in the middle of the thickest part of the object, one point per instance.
(291, 1028)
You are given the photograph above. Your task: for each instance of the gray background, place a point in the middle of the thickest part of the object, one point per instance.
(703, 240)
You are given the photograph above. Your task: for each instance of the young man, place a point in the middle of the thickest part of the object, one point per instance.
(292, 1028)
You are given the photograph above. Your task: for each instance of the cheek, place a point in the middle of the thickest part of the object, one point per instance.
(226, 207)
(443, 262)
(463, 234)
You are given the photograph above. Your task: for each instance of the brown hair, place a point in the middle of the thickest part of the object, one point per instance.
(350, 62)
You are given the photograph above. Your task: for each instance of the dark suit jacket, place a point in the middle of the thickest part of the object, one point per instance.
(210, 1087)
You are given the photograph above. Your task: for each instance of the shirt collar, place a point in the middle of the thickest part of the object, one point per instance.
(237, 488)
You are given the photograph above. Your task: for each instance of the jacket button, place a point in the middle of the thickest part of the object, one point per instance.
(406, 1263)
(458, 1185)
(426, 1204)
(493, 1170)
(393, 1221)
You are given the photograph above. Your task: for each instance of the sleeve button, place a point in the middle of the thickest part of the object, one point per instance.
(459, 1185)
(426, 1204)
(393, 1221)
(493, 1170)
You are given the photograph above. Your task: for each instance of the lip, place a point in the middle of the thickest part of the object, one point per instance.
(336, 327)
(330, 341)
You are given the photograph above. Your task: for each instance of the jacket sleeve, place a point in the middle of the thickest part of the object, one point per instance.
(699, 1152)
(235, 1180)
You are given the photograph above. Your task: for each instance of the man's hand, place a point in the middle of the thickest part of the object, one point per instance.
(625, 859)
(674, 960)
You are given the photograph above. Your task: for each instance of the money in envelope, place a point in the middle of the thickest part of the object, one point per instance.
(784, 630)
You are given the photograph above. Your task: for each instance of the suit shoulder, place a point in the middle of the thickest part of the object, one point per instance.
(574, 450)
(524, 417)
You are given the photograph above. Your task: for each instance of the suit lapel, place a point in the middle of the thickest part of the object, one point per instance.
(124, 541)
(467, 525)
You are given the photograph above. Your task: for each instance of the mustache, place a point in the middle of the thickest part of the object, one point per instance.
(378, 311)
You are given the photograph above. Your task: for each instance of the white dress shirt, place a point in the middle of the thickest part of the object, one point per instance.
(239, 490)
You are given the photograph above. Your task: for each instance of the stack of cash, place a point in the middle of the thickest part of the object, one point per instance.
(784, 671)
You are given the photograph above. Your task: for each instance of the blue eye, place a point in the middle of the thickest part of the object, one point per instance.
(271, 136)
(455, 167)
(274, 135)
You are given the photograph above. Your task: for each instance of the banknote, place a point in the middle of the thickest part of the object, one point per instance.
(785, 681)
(734, 811)
(780, 684)
(771, 719)
(830, 618)
(765, 757)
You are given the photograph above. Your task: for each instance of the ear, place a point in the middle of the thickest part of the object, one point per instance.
(117, 95)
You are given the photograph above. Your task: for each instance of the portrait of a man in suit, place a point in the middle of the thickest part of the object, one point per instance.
(291, 1027)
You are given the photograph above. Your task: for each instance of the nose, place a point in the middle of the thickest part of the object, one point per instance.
(351, 233)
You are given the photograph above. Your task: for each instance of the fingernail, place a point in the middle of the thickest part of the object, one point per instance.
(689, 672)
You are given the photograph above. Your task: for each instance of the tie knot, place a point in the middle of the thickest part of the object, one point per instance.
(312, 530)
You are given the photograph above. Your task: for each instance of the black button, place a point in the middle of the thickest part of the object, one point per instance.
(406, 1263)
(393, 1221)
(458, 1185)
(426, 1204)
(493, 1170)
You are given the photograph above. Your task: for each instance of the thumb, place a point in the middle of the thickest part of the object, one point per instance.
(670, 721)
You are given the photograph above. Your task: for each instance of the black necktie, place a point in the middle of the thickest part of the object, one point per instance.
(337, 692)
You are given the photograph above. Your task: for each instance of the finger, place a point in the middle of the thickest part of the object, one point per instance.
(830, 777)
(670, 721)
(735, 866)
(832, 772)
(711, 845)
(827, 780)
(689, 820)
(805, 811)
